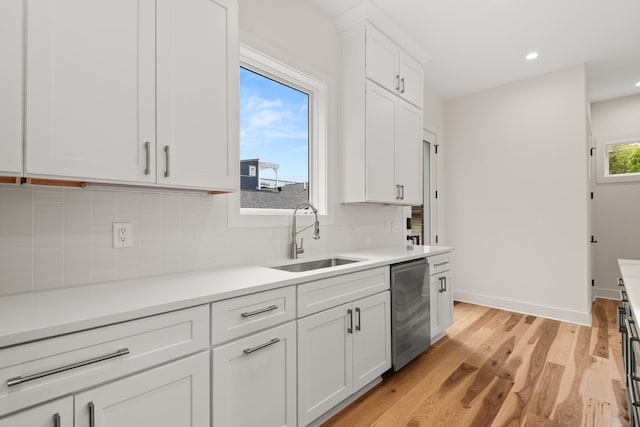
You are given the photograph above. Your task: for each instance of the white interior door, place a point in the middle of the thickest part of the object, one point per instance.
(90, 89)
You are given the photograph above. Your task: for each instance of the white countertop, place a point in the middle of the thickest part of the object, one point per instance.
(630, 269)
(37, 315)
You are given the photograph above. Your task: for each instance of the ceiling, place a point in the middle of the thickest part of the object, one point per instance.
(480, 44)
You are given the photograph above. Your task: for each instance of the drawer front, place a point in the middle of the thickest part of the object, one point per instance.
(42, 370)
(326, 293)
(439, 263)
(244, 315)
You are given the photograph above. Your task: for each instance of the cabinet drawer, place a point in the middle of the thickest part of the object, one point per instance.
(439, 263)
(326, 293)
(244, 315)
(41, 370)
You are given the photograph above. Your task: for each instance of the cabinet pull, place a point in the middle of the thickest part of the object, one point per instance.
(440, 264)
(56, 420)
(350, 328)
(397, 192)
(262, 310)
(621, 319)
(402, 188)
(623, 297)
(444, 281)
(147, 150)
(92, 414)
(359, 324)
(261, 346)
(620, 281)
(166, 159)
(397, 81)
(20, 380)
(402, 84)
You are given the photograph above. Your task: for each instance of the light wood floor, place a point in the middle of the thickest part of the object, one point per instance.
(497, 368)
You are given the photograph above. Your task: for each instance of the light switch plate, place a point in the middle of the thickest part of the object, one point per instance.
(122, 235)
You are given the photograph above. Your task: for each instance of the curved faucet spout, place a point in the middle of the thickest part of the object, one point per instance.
(295, 250)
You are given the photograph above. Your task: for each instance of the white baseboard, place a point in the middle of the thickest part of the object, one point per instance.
(606, 293)
(525, 308)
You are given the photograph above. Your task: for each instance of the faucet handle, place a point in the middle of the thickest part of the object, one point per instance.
(300, 249)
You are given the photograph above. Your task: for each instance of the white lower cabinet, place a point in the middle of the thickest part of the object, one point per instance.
(175, 394)
(340, 350)
(58, 413)
(441, 296)
(254, 380)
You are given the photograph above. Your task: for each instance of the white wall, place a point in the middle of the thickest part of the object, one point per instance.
(51, 238)
(516, 185)
(616, 206)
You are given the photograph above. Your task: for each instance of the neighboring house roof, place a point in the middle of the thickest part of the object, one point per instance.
(289, 197)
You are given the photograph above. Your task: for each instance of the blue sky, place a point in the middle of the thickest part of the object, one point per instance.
(274, 121)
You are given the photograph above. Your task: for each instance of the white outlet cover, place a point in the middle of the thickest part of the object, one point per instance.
(122, 235)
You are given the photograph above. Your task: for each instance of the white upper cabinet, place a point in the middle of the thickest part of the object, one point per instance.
(195, 75)
(11, 87)
(381, 124)
(392, 68)
(104, 79)
(91, 89)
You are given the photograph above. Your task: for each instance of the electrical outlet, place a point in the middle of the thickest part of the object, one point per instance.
(122, 235)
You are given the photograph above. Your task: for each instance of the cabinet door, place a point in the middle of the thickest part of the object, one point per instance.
(380, 160)
(325, 353)
(371, 338)
(90, 89)
(411, 80)
(445, 305)
(409, 152)
(435, 292)
(176, 394)
(197, 69)
(11, 87)
(255, 380)
(58, 413)
(381, 59)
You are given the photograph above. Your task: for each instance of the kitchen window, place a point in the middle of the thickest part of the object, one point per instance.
(618, 159)
(283, 132)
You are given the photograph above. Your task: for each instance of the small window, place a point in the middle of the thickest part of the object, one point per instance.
(619, 160)
(274, 141)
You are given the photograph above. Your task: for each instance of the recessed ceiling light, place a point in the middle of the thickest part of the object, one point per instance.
(532, 55)
(638, 84)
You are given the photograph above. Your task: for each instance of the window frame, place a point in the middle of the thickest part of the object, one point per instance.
(602, 159)
(271, 67)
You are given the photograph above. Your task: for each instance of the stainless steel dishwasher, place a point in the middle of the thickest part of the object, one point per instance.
(410, 311)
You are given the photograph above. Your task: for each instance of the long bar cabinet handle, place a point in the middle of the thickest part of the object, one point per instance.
(56, 420)
(350, 328)
(261, 346)
(402, 84)
(11, 382)
(167, 173)
(262, 310)
(147, 150)
(397, 81)
(620, 281)
(92, 414)
(440, 263)
(359, 324)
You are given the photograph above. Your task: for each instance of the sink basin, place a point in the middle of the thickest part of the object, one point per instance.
(314, 265)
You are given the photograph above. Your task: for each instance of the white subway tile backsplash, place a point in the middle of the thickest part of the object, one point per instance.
(52, 237)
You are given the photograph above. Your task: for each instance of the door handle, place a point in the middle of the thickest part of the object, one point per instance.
(167, 173)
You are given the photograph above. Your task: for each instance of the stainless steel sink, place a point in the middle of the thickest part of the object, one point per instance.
(314, 265)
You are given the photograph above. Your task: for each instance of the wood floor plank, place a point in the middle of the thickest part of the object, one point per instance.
(497, 368)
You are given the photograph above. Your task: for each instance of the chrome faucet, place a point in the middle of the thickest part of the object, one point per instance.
(294, 249)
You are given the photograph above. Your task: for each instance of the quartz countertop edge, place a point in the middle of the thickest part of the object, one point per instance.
(630, 270)
(37, 315)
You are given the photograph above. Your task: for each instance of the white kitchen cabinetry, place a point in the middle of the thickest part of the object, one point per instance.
(391, 67)
(343, 348)
(11, 22)
(441, 295)
(254, 376)
(254, 380)
(100, 75)
(58, 413)
(381, 131)
(175, 394)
